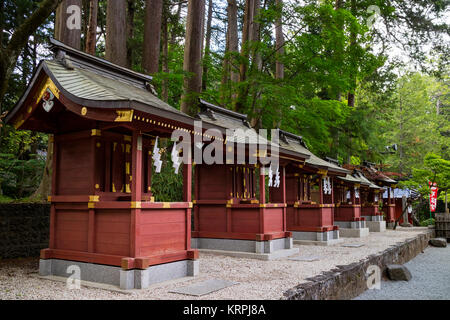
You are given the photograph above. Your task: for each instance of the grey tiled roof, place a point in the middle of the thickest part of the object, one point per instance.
(294, 143)
(87, 84)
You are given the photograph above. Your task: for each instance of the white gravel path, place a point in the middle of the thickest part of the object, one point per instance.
(257, 279)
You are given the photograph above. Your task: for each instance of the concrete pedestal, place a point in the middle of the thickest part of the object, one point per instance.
(316, 238)
(125, 279)
(352, 229)
(263, 250)
(375, 223)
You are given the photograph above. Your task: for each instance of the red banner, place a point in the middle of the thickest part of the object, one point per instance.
(433, 197)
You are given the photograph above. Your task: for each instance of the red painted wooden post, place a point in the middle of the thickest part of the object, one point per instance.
(262, 186)
(283, 190)
(136, 192)
(197, 169)
(187, 197)
(54, 191)
(187, 182)
(262, 198)
(108, 155)
(91, 231)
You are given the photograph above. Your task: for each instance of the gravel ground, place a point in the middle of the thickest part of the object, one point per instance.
(430, 279)
(257, 279)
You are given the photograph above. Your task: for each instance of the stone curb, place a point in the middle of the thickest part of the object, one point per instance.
(349, 281)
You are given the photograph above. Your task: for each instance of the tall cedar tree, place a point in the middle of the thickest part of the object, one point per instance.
(116, 26)
(152, 35)
(192, 65)
(91, 38)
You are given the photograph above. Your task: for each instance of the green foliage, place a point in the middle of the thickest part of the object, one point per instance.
(427, 222)
(166, 185)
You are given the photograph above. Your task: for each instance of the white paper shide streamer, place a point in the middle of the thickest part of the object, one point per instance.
(270, 174)
(326, 185)
(277, 178)
(176, 159)
(157, 157)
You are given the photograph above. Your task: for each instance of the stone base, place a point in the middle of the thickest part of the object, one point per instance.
(373, 218)
(350, 224)
(250, 255)
(376, 226)
(316, 238)
(264, 250)
(125, 279)
(390, 225)
(354, 232)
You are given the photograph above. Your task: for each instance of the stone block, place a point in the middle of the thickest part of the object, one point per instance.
(438, 242)
(398, 272)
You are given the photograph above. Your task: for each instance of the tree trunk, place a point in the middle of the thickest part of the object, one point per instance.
(279, 68)
(247, 35)
(192, 56)
(116, 25)
(73, 39)
(152, 35)
(70, 37)
(131, 8)
(230, 63)
(207, 54)
(91, 38)
(165, 50)
(279, 45)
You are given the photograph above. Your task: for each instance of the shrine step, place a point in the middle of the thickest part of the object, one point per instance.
(326, 238)
(116, 276)
(376, 226)
(354, 232)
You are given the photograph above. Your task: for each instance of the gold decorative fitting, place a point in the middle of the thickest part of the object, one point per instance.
(113, 188)
(98, 144)
(124, 116)
(83, 111)
(127, 148)
(97, 186)
(126, 138)
(48, 84)
(96, 132)
(127, 186)
(94, 198)
(191, 205)
(91, 205)
(49, 198)
(262, 205)
(166, 205)
(135, 204)
(30, 108)
(322, 172)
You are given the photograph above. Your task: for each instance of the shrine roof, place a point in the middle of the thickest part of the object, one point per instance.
(93, 82)
(364, 180)
(373, 174)
(228, 119)
(295, 143)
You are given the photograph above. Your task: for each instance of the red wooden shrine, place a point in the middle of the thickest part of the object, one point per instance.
(230, 199)
(310, 207)
(370, 198)
(104, 121)
(387, 183)
(348, 202)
